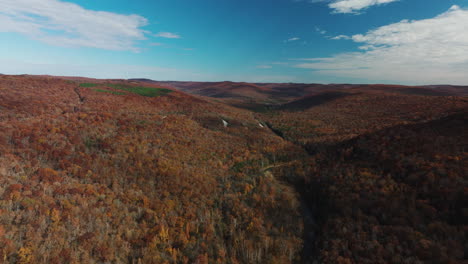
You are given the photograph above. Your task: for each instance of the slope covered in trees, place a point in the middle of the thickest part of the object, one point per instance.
(93, 177)
(398, 195)
(331, 117)
(116, 171)
(387, 175)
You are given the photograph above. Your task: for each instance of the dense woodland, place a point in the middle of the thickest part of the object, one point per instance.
(129, 179)
(396, 196)
(387, 174)
(101, 171)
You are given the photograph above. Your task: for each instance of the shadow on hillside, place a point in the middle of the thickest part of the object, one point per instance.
(417, 91)
(313, 100)
(409, 143)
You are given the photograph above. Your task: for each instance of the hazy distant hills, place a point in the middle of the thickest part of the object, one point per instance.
(283, 92)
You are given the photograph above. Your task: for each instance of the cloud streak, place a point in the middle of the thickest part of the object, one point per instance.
(292, 39)
(352, 6)
(416, 52)
(67, 24)
(320, 31)
(340, 37)
(168, 35)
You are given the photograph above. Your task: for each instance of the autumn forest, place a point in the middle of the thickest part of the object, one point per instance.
(140, 171)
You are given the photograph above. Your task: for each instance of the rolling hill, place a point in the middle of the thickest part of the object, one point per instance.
(95, 172)
(141, 171)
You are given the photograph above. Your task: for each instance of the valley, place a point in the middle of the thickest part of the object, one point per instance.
(142, 171)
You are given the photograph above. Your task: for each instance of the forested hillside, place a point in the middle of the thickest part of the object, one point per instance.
(387, 174)
(116, 171)
(93, 174)
(398, 195)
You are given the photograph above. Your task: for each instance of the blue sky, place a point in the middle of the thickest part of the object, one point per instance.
(325, 41)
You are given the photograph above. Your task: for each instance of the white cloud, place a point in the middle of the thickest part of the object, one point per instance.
(352, 6)
(264, 67)
(67, 24)
(422, 51)
(292, 39)
(320, 31)
(340, 37)
(168, 35)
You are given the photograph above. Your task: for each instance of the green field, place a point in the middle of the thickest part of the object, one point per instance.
(89, 85)
(107, 91)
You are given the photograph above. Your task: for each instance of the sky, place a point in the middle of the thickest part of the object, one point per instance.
(308, 41)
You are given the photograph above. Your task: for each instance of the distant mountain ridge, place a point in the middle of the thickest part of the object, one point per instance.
(229, 89)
